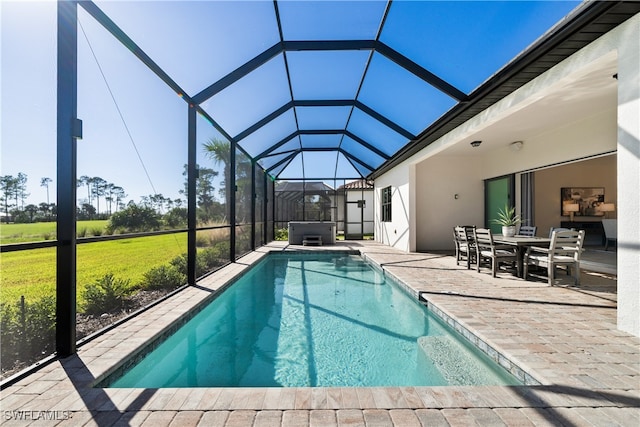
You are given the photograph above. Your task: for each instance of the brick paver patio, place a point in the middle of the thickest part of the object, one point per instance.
(562, 338)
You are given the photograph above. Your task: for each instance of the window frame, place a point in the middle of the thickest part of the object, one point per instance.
(385, 205)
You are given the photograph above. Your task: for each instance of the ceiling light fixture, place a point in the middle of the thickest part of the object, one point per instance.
(516, 146)
(476, 143)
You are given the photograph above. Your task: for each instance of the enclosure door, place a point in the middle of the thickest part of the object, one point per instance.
(498, 192)
(354, 215)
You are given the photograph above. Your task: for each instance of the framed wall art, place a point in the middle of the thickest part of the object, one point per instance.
(587, 199)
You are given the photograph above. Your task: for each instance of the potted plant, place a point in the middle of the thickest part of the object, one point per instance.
(508, 219)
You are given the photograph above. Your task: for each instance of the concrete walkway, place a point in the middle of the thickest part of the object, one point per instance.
(562, 338)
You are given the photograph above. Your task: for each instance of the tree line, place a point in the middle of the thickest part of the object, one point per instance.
(104, 199)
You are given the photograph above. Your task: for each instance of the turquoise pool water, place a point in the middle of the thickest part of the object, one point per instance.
(325, 320)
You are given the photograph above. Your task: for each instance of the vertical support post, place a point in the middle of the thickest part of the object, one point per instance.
(192, 176)
(273, 207)
(67, 106)
(253, 205)
(304, 200)
(232, 201)
(265, 208)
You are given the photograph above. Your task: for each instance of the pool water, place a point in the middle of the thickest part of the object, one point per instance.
(325, 320)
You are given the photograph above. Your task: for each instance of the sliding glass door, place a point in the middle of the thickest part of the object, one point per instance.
(498, 192)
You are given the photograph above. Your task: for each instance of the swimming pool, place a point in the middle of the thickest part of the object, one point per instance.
(313, 320)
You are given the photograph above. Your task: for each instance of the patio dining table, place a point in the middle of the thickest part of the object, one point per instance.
(521, 243)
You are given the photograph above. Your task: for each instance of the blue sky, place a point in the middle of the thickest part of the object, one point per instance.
(138, 141)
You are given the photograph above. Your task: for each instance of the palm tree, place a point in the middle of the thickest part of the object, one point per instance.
(119, 195)
(85, 180)
(220, 152)
(98, 190)
(44, 182)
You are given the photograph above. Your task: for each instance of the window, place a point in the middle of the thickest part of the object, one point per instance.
(386, 204)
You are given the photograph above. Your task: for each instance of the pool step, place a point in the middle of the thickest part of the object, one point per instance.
(455, 362)
(312, 240)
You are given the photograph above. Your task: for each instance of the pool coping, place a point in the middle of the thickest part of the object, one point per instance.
(244, 265)
(67, 384)
(106, 379)
(490, 350)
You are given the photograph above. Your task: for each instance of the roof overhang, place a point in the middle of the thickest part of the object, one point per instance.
(587, 23)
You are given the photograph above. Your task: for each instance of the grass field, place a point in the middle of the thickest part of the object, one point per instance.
(32, 273)
(36, 232)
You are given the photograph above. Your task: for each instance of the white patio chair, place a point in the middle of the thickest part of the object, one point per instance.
(565, 249)
(465, 245)
(487, 249)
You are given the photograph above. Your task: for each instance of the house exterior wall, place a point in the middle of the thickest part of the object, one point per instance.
(396, 232)
(627, 37)
(433, 229)
(429, 180)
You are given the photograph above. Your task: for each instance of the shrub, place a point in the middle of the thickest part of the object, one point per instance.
(176, 217)
(163, 277)
(9, 326)
(202, 240)
(28, 332)
(105, 295)
(97, 231)
(41, 323)
(214, 256)
(282, 234)
(134, 218)
(180, 264)
(81, 232)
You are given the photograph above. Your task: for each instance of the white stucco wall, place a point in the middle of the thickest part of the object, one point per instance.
(428, 180)
(397, 232)
(440, 179)
(628, 37)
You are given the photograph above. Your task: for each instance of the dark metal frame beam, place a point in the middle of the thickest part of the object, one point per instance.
(352, 157)
(253, 205)
(265, 207)
(322, 132)
(277, 145)
(420, 72)
(67, 110)
(92, 9)
(324, 103)
(382, 119)
(366, 144)
(231, 199)
(238, 73)
(192, 176)
(286, 107)
(288, 158)
(320, 45)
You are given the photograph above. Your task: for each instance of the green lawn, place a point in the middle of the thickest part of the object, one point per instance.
(32, 273)
(36, 232)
